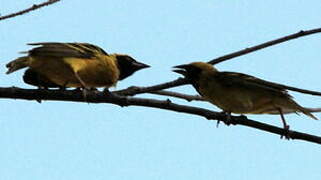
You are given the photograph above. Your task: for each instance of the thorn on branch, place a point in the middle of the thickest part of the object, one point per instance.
(301, 32)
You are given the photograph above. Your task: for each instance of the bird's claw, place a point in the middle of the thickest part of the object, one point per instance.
(85, 93)
(286, 134)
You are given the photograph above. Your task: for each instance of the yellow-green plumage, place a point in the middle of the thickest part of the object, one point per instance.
(74, 65)
(95, 72)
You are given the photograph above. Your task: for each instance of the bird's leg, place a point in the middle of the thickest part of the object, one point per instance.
(285, 126)
(106, 91)
(86, 89)
(63, 87)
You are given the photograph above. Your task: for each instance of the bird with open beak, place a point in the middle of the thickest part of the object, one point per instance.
(240, 93)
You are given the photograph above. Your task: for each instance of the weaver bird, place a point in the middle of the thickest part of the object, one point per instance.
(79, 65)
(240, 93)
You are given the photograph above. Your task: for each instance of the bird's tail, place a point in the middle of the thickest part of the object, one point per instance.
(295, 108)
(17, 64)
(307, 111)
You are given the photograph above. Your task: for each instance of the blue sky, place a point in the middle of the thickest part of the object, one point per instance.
(64, 140)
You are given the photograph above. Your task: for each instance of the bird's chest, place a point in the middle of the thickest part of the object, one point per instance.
(99, 74)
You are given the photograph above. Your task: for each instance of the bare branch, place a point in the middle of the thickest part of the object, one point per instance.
(265, 45)
(187, 97)
(32, 8)
(133, 90)
(99, 97)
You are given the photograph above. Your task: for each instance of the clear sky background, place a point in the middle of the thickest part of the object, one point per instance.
(65, 140)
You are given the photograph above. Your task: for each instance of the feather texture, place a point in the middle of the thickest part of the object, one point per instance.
(53, 64)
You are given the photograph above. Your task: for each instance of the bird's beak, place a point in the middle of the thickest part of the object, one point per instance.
(140, 65)
(183, 66)
(181, 69)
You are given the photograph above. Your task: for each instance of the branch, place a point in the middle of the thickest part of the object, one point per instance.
(264, 45)
(187, 97)
(99, 97)
(32, 8)
(133, 90)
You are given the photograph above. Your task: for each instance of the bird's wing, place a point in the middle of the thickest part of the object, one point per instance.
(247, 81)
(55, 49)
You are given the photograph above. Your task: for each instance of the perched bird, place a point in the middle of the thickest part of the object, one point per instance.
(79, 65)
(240, 93)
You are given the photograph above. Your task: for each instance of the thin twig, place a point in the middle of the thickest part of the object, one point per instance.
(133, 90)
(32, 8)
(179, 95)
(99, 97)
(265, 45)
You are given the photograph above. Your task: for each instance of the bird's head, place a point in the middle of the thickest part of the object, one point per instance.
(128, 65)
(193, 70)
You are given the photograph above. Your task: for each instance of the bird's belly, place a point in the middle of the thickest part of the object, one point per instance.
(230, 104)
(95, 73)
(98, 76)
(55, 70)
(240, 102)
(62, 72)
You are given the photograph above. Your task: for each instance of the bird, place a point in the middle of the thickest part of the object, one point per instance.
(79, 65)
(240, 93)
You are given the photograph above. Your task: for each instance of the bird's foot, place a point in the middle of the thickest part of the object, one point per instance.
(85, 92)
(286, 134)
